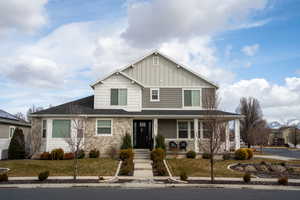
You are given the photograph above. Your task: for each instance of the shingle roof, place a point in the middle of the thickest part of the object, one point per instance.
(86, 106)
(8, 118)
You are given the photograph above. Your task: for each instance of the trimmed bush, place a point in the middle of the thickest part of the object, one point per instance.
(250, 153)
(191, 154)
(159, 168)
(94, 153)
(226, 156)
(158, 154)
(43, 175)
(127, 167)
(241, 154)
(3, 177)
(57, 154)
(283, 180)
(160, 142)
(69, 156)
(206, 155)
(247, 178)
(16, 149)
(81, 154)
(126, 154)
(183, 175)
(126, 142)
(45, 156)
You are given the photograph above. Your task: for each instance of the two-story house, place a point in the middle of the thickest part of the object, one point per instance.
(154, 95)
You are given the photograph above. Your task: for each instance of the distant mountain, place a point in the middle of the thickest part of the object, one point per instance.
(291, 122)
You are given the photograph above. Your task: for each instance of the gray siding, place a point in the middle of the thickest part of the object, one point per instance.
(169, 98)
(165, 74)
(4, 129)
(167, 128)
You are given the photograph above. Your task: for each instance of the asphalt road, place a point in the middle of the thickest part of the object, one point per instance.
(283, 152)
(145, 194)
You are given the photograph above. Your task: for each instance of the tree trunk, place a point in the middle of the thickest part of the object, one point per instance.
(75, 166)
(212, 178)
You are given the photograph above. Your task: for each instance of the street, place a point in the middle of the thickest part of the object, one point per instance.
(145, 194)
(283, 152)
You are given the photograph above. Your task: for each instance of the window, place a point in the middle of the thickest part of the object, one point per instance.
(191, 98)
(104, 127)
(206, 130)
(118, 97)
(192, 130)
(44, 129)
(155, 60)
(183, 131)
(61, 128)
(11, 131)
(154, 93)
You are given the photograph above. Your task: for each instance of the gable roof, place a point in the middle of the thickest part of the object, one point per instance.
(8, 118)
(149, 54)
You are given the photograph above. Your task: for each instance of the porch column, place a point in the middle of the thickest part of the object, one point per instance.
(196, 135)
(237, 134)
(227, 137)
(155, 127)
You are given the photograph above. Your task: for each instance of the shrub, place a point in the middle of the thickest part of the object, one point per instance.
(158, 154)
(283, 180)
(126, 154)
(206, 155)
(45, 156)
(241, 154)
(43, 175)
(94, 153)
(113, 152)
(81, 154)
(126, 142)
(250, 153)
(160, 142)
(57, 154)
(69, 156)
(247, 178)
(191, 154)
(159, 168)
(127, 167)
(183, 175)
(3, 177)
(226, 156)
(16, 149)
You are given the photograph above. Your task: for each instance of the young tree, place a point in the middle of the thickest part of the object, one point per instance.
(250, 108)
(16, 149)
(259, 135)
(32, 109)
(216, 129)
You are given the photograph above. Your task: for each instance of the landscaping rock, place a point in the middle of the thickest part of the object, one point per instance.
(239, 168)
(277, 168)
(250, 168)
(36, 156)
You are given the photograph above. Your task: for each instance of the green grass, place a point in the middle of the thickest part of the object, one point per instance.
(201, 167)
(87, 167)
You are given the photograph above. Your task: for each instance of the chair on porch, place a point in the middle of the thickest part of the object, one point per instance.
(183, 145)
(172, 145)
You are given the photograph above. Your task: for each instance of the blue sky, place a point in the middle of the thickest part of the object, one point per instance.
(52, 50)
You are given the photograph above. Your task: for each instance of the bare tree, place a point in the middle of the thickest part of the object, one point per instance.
(259, 135)
(21, 116)
(215, 128)
(32, 109)
(250, 108)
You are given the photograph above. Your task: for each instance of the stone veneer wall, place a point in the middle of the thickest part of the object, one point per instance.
(120, 126)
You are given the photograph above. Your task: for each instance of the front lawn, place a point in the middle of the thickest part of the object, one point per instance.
(87, 167)
(201, 167)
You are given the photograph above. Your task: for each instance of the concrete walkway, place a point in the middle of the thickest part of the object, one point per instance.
(142, 165)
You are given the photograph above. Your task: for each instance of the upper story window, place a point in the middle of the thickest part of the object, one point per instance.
(61, 128)
(104, 127)
(155, 60)
(44, 129)
(118, 97)
(191, 98)
(154, 93)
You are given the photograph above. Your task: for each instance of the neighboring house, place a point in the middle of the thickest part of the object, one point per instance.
(154, 95)
(8, 124)
(285, 136)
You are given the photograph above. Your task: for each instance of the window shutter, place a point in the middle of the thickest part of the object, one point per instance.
(114, 97)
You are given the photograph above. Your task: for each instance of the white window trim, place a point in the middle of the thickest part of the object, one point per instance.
(158, 94)
(9, 130)
(111, 127)
(44, 128)
(189, 130)
(192, 107)
(153, 60)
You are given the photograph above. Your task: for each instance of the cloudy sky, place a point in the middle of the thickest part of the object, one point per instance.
(51, 50)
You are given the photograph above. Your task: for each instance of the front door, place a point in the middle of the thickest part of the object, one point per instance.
(142, 134)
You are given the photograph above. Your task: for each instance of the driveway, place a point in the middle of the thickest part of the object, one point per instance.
(145, 194)
(283, 152)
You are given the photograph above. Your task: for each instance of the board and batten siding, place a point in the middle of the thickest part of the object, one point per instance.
(168, 98)
(102, 93)
(165, 74)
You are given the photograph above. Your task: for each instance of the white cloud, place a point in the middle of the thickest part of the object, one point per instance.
(25, 15)
(150, 23)
(278, 101)
(250, 50)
